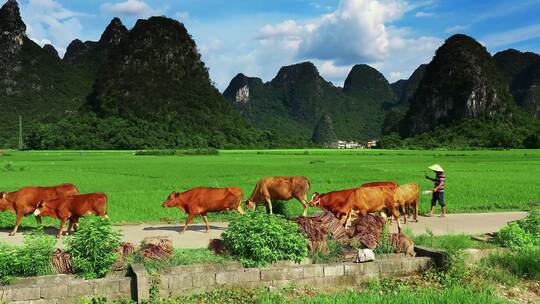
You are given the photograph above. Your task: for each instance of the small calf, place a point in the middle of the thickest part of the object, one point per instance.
(72, 208)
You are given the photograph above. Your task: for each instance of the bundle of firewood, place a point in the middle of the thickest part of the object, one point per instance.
(126, 249)
(318, 227)
(315, 232)
(123, 251)
(156, 248)
(334, 227)
(366, 231)
(61, 262)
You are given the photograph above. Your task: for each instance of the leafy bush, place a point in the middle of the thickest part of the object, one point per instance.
(93, 247)
(385, 245)
(513, 236)
(258, 239)
(531, 224)
(454, 268)
(31, 259)
(8, 258)
(524, 262)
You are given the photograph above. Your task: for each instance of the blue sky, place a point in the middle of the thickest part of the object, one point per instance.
(257, 37)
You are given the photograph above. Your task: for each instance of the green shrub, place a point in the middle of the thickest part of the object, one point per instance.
(524, 262)
(531, 224)
(385, 245)
(513, 236)
(34, 257)
(258, 239)
(8, 258)
(93, 247)
(454, 268)
(31, 259)
(280, 208)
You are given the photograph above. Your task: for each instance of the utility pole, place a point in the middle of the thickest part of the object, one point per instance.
(20, 133)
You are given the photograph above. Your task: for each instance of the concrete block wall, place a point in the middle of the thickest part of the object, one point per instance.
(55, 289)
(184, 280)
(190, 279)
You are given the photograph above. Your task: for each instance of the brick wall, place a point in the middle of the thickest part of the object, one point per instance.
(65, 289)
(184, 280)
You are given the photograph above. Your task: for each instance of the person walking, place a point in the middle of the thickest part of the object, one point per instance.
(438, 189)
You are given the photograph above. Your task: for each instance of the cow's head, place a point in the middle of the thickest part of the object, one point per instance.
(172, 200)
(251, 204)
(45, 209)
(315, 200)
(4, 203)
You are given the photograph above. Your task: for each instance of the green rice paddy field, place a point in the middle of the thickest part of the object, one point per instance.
(477, 181)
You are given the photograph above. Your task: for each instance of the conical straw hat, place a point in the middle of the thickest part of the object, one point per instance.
(437, 168)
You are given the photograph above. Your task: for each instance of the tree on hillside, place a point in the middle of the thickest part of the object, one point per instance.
(324, 133)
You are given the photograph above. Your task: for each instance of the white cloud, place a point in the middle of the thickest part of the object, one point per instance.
(130, 8)
(287, 34)
(457, 28)
(423, 14)
(406, 55)
(182, 16)
(332, 72)
(47, 21)
(512, 36)
(358, 31)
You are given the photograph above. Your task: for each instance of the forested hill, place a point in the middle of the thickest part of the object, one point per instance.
(132, 89)
(464, 100)
(298, 97)
(34, 82)
(147, 87)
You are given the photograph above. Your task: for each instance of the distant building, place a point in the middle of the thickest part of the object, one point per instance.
(341, 144)
(371, 144)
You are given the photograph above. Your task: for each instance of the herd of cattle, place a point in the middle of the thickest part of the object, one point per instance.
(66, 203)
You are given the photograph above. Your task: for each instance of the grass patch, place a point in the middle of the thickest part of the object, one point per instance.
(334, 253)
(449, 242)
(182, 257)
(524, 262)
(171, 152)
(402, 295)
(137, 186)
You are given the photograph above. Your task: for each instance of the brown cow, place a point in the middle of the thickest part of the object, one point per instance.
(406, 196)
(391, 185)
(25, 200)
(280, 188)
(365, 200)
(199, 201)
(72, 208)
(388, 186)
(336, 202)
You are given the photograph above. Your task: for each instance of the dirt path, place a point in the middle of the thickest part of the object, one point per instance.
(195, 237)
